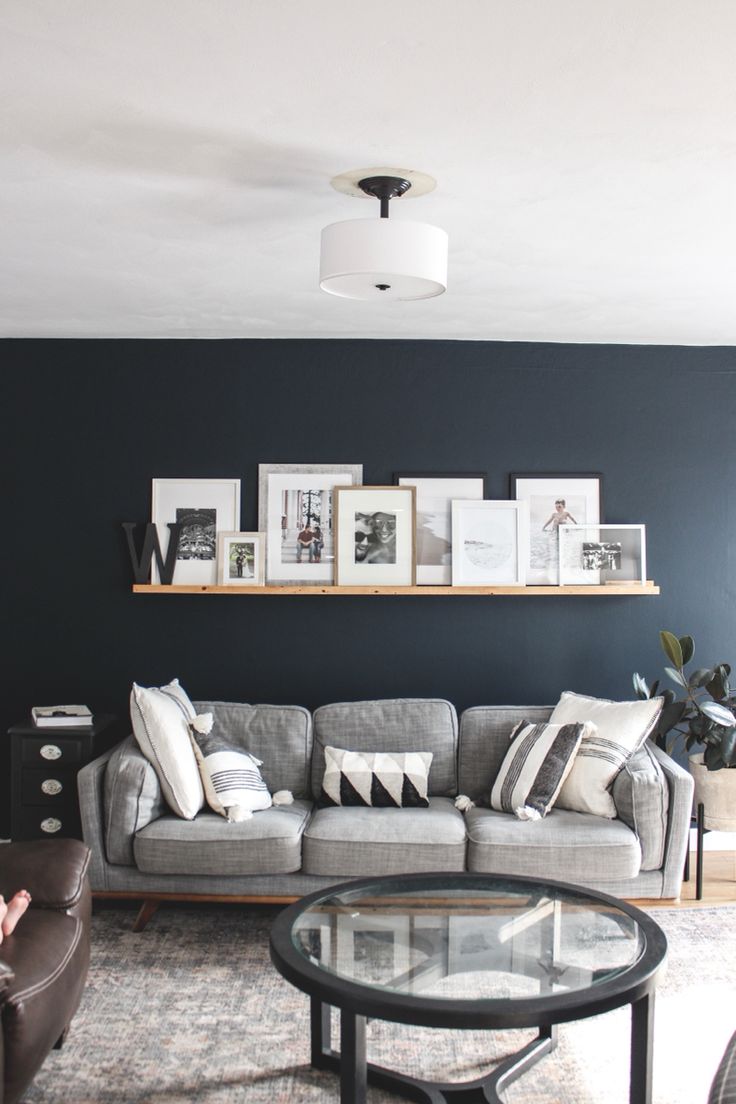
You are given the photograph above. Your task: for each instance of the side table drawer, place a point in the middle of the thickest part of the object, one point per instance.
(52, 749)
(48, 787)
(45, 823)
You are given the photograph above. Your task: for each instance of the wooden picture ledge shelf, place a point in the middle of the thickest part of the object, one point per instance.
(610, 590)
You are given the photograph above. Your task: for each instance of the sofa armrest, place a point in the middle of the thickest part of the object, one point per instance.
(90, 787)
(53, 871)
(681, 784)
(119, 794)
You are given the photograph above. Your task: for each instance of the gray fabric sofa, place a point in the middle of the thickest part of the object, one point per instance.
(140, 849)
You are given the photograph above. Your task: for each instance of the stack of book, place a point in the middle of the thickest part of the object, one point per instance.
(61, 716)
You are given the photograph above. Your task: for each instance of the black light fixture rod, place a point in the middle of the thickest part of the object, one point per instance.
(384, 189)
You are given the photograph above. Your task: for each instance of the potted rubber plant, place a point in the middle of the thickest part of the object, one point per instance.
(701, 715)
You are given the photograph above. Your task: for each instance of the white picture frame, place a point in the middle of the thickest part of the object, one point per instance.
(581, 497)
(241, 559)
(374, 536)
(433, 539)
(599, 555)
(489, 542)
(288, 494)
(205, 507)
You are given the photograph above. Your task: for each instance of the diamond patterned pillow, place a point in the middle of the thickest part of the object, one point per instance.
(382, 779)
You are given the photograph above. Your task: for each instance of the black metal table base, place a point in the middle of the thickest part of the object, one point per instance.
(700, 832)
(355, 1072)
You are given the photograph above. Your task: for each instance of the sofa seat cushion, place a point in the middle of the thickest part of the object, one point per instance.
(48, 954)
(565, 846)
(361, 841)
(270, 842)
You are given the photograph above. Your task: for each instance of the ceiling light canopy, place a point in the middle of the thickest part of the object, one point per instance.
(382, 258)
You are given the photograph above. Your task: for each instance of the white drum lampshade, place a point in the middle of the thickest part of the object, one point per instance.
(383, 259)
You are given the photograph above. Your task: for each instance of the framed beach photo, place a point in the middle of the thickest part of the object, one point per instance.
(596, 555)
(435, 493)
(295, 510)
(240, 559)
(203, 507)
(374, 531)
(489, 543)
(554, 499)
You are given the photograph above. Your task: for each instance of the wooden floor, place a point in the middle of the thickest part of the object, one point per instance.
(719, 883)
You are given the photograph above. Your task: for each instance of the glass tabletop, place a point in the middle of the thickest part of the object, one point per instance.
(461, 938)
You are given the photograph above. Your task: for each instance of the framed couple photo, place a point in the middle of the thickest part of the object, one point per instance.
(240, 559)
(374, 536)
(296, 512)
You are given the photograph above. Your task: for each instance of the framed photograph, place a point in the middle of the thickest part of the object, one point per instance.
(598, 554)
(203, 507)
(295, 510)
(489, 543)
(555, 499)
(374, 530)
(240, 559)
(434, 519)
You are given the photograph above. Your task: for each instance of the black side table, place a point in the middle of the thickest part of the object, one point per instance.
(44, 767)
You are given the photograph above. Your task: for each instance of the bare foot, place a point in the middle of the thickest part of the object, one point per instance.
(3, 914)
(15, 909)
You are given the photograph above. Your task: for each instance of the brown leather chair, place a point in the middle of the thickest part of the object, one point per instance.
(43, 964)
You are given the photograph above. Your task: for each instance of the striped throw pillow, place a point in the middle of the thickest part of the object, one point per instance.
(382, 779)
(232, 782)
(539, 758)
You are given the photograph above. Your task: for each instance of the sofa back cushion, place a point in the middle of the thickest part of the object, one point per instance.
(399, 724)
(484, 741)
(279, 735)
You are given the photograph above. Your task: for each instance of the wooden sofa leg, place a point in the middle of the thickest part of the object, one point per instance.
(146, 911)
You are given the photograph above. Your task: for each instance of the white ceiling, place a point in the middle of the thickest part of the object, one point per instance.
(166, 164)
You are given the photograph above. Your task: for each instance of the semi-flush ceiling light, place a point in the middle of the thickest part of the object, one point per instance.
(382, 258)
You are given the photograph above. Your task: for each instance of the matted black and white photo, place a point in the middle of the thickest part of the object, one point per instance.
(555, 500)
(596, 555)
(295, 510)
(435, 493)
(203, 507)
(375, 536)
(240, 559)
(489, 542)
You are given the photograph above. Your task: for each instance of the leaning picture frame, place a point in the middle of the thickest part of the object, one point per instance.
(435, 492)
(295, 511)
(489, 542)
(240, 559)
(555, 499)
(374, 536)
(203, 507)
(601, 555)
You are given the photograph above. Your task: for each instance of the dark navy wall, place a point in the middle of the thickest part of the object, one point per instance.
(88, 423)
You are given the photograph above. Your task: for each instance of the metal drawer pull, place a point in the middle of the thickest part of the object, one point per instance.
(51, 786)
(50, 751)
(51, 825)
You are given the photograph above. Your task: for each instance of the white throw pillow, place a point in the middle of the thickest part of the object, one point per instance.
(621, 729)
(162, 718)
(232, 781)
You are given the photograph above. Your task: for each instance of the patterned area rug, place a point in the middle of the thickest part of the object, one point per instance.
(192, 1010)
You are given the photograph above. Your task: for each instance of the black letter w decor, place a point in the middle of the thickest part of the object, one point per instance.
(142, 566)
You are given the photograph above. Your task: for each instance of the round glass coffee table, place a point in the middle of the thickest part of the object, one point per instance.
(466, 951)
